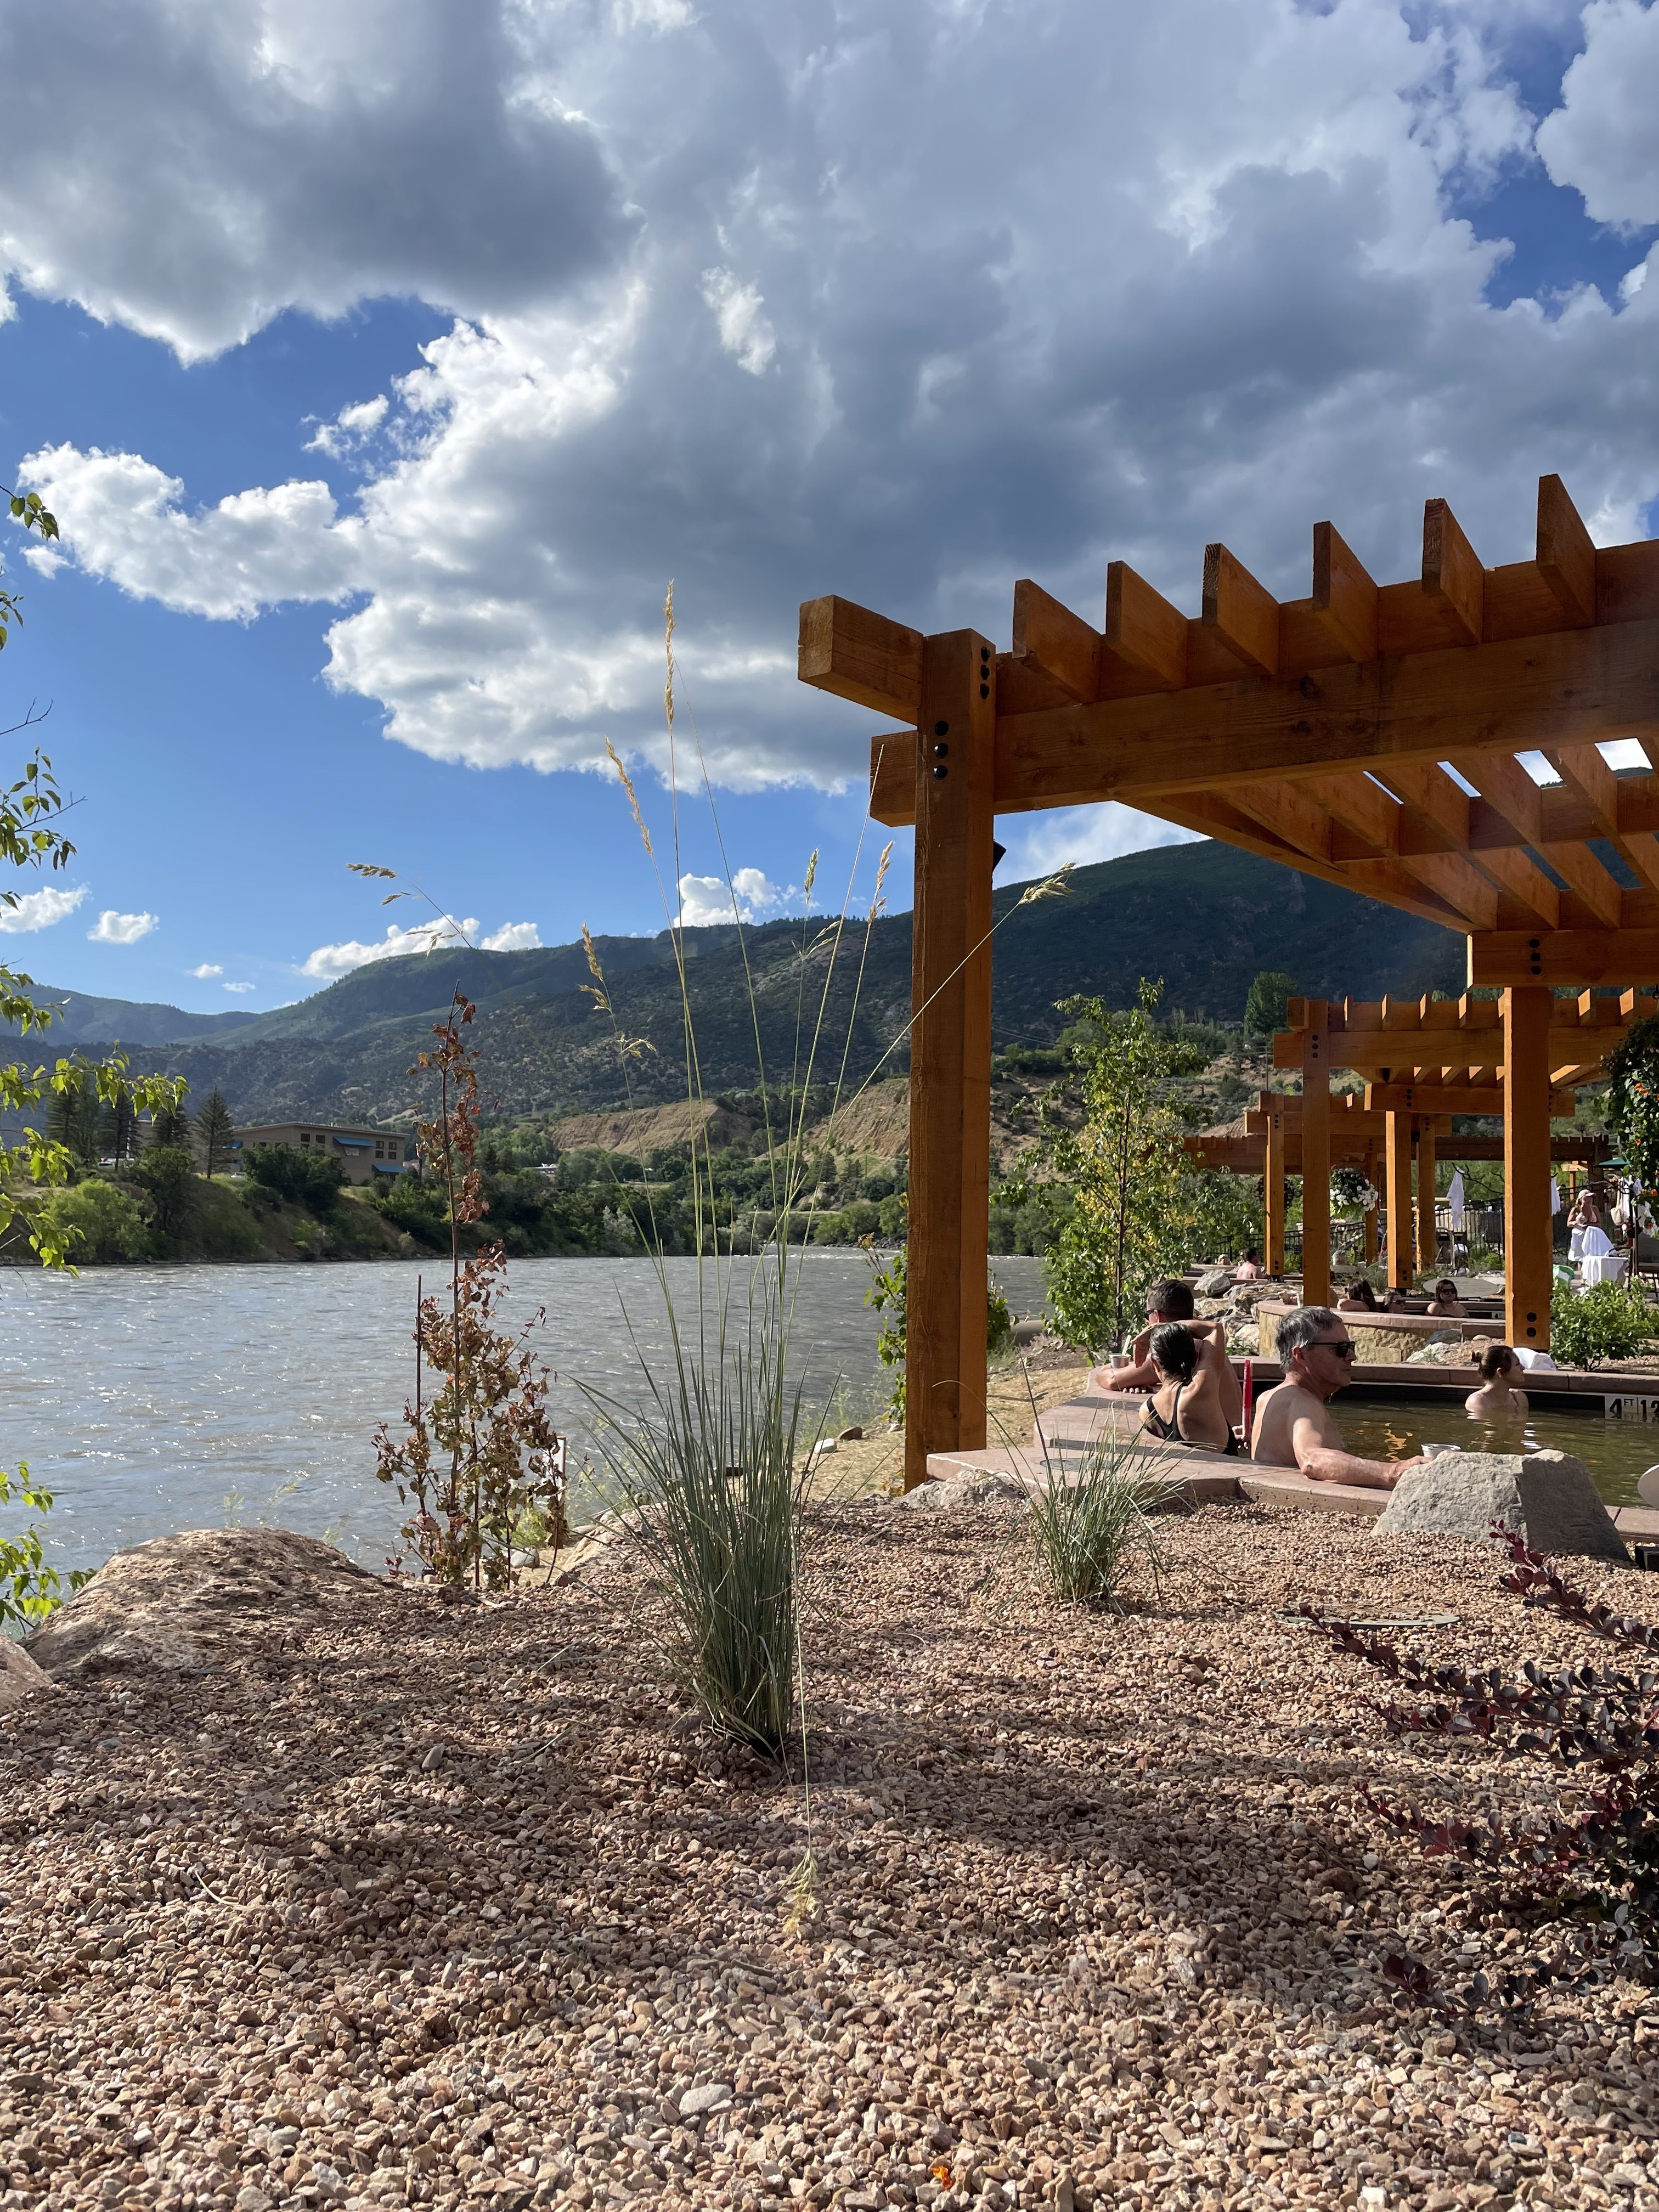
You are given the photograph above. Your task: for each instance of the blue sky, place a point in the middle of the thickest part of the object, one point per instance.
(383, 365)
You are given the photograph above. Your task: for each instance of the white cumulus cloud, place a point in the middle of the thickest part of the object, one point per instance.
(707, 899)
(951, 381)
(40, 909)
(331, 961)
(128, 520)
(213, 167)
(739, 314)
(239, 987)
(1043, 842)
(512, 937)
(114, 928)
(350, 428)
(206, 969)
(1602, 140)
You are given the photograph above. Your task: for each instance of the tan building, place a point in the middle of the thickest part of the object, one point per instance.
(363, 1153)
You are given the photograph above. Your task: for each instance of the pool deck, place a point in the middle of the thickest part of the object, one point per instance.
(1065, 1433)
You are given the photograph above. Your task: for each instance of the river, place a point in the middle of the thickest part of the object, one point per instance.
(152, 1399)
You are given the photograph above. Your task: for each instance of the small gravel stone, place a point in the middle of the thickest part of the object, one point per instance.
(708, 2097)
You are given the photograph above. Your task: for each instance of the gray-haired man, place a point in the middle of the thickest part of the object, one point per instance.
(1293, 1427)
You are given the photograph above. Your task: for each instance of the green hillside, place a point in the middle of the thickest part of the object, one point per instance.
(1204, 917)
(82, 1018)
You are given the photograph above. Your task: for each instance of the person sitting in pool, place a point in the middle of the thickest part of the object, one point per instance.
(1359, 1298)
(1495, 1401)
(1248, 1269)
(1292, 1426)
(1188, 1406)
(1396, 1300)
(1446, 1305)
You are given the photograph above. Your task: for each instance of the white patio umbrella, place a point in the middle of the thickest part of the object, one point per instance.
(1458, 1205)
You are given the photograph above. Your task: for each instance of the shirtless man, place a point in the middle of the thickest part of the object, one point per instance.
(1292, 1427)
(1170, 1300)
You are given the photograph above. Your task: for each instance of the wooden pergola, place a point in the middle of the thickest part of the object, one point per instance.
(1374, 736)
(1425, 1061)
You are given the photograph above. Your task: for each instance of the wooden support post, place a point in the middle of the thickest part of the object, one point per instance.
(1397, 1171)
(950, 1052)
(1428, 1244)
(1370, 1217)
(1273, 1258)
(1315, 1158)
(1529, 1257)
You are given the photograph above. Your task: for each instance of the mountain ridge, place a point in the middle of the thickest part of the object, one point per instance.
(1204, 917)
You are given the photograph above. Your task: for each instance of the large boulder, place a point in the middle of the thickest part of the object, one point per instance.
(19, 1674)
(1215, 1284)
(168, 1603)
(964, 1489)
(1546, 1496)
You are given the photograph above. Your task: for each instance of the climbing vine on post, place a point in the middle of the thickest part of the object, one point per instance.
(1632, 1103)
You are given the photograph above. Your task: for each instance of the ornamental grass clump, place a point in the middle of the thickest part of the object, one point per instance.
(1091, 1528)
(715, 1473)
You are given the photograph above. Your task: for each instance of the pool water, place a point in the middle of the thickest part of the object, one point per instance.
(1617, 1453)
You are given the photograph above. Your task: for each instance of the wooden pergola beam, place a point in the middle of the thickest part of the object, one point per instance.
(1558, 956)
(1581, 687)
(1452, 1098)
(1246, 1155)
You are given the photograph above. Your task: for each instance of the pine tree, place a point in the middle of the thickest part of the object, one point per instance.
(170, 1126)
(1265, 1005)
(214, 1130)
(71, 1121)
(118, 1129)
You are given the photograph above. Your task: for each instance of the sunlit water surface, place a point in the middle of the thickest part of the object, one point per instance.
(154, 1399)
(1616, 1452)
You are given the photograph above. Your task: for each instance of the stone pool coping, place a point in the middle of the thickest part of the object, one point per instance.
(1372, 1332)
(1206, 1478)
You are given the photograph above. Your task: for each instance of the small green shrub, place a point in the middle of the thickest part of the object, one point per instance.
(29, 1588)
(99, 1222)
(1610, 1320)
(1091, 1528)
(227, 1229)
(308, 1178)
(889, 1294)
(167, 1173)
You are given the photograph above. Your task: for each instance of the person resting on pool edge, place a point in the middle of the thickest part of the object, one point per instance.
(1292, 1426)
(1167, 1301)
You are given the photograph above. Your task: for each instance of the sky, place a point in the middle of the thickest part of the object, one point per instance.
(384, 365)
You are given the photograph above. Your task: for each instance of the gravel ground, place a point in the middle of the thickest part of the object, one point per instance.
(1016, 1391)
(447, 1904)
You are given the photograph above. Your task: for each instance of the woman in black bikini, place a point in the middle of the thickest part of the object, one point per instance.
(1187, 1407)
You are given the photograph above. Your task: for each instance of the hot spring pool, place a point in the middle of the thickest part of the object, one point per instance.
(1618, 1453)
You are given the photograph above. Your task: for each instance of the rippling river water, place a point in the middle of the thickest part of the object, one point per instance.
(153, 1398)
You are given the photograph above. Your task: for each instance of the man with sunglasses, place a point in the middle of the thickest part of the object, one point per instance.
(1293, 1427)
